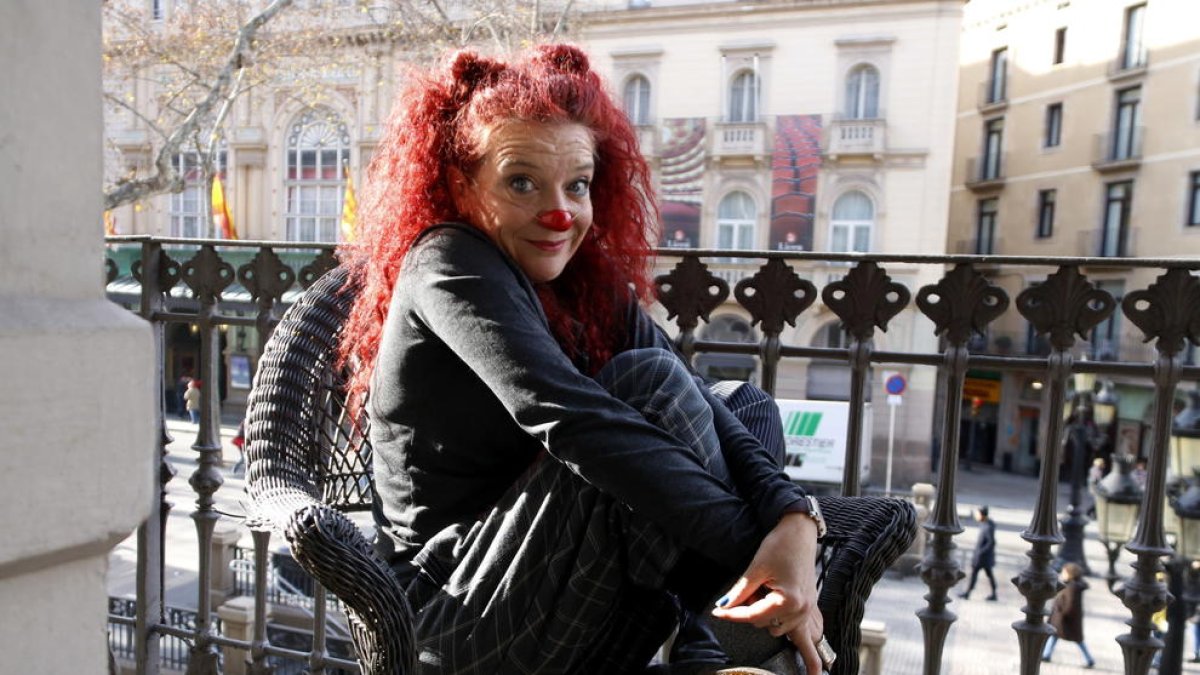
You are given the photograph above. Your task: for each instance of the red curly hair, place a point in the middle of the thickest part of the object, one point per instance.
(437, 123)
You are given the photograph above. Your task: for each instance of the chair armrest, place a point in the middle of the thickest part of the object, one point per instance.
(866, 535)
(332, 549)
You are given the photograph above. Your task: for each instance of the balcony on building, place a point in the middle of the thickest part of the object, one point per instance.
(647, 136)
(1128, 66)
(1102, 243)
(741, 140)
(985, 173)
(1118, 150)
(855, 138)
(981, 246)
(993, 96)
(289, 599)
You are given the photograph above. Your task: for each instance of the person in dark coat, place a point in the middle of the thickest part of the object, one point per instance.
(985, 553)
(1067, 614)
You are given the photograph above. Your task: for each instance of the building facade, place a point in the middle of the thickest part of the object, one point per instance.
(1078, 134)
(782, 126)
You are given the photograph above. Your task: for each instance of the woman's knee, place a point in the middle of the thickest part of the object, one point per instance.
(757, 411)
(638, 372)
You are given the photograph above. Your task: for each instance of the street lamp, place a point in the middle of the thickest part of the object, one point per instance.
(1185, 437)
(1185, 455)
(1084, 414)
(1117, 499)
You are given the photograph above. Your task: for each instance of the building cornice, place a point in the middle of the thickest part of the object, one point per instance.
(610, 17)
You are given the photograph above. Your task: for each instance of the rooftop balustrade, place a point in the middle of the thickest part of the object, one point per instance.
(206, 288)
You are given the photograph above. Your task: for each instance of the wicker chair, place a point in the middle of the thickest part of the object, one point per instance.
(308, 464)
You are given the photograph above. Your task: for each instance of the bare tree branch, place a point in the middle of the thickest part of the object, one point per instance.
(165, 177)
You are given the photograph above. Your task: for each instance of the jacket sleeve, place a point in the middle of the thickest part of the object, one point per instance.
(467, 293)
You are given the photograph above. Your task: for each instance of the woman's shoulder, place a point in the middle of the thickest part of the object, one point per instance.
(454, 245)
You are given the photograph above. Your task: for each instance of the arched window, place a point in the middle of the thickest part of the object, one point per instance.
(735, 222)
(862, 93)
(318, 145)
(637, 100)
(743, 97)
(853, 219)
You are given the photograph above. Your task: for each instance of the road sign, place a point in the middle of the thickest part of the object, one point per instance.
(895, 384)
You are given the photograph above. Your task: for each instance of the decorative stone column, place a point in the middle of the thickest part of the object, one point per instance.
(77, 455)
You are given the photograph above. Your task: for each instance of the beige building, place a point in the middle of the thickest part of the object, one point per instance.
(1078, 135)
(770, 126)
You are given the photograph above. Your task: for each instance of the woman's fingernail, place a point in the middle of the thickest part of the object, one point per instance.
(723, 601)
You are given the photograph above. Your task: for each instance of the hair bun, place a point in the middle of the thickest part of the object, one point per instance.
(566, 58)
(471, 70)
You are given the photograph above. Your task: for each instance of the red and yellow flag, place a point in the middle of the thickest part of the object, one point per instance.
(349, 209)
(110, 224)
(220, 210)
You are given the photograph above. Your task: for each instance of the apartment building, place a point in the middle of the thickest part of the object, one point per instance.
(1078, 134)
(771, 125)
(799, 126)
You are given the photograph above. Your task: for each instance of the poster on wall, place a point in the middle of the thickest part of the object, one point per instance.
(681, 181)
(794, 166)
(239, 371)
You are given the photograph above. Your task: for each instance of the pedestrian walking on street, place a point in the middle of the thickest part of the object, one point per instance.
(191, 400)
(985, 553)
(1067, 614)
(239, 442)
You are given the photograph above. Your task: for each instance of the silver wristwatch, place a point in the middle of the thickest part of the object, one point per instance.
(812, 509)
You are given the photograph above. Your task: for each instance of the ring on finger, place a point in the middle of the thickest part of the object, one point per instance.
(825, 651)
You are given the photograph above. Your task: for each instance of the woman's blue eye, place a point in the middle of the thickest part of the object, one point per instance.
(521, 184)
(579, 187)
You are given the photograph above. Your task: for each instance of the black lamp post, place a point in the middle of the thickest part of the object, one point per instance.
(1118, 497)
(1085, 414)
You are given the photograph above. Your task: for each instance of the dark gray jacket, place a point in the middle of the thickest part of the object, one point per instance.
(471, 387)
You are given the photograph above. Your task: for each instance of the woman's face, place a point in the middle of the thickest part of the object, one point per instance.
(531, 193)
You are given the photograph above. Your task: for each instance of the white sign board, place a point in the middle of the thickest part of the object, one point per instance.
(815, 435)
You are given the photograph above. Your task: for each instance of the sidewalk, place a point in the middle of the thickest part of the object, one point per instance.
(982, 641)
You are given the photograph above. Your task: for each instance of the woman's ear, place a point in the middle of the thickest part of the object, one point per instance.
(459, 189)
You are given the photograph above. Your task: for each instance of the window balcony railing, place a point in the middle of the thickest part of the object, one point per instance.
(648, 140)
(1128, 66)
(212, 305)
(740, 139)
(855, 137)
(1109, 243)
(980, 246)
(992, 96)
(985, 173)
(1118, 151)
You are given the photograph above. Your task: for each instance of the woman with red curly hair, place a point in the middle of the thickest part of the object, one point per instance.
(556, 488)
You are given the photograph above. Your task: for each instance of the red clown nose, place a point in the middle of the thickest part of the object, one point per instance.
(557, 220)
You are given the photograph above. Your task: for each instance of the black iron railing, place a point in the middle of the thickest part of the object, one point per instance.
(192, 283)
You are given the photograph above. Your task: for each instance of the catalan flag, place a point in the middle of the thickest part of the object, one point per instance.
(349, 209)
(220, 210)
(110, 224)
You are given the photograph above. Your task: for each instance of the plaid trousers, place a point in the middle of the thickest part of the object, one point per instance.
(560, 577)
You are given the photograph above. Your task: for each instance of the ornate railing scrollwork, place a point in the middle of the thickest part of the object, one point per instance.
(690, 292)
(1066, 304)
(961, 304)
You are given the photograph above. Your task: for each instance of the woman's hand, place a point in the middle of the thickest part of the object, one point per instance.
(778, 591)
